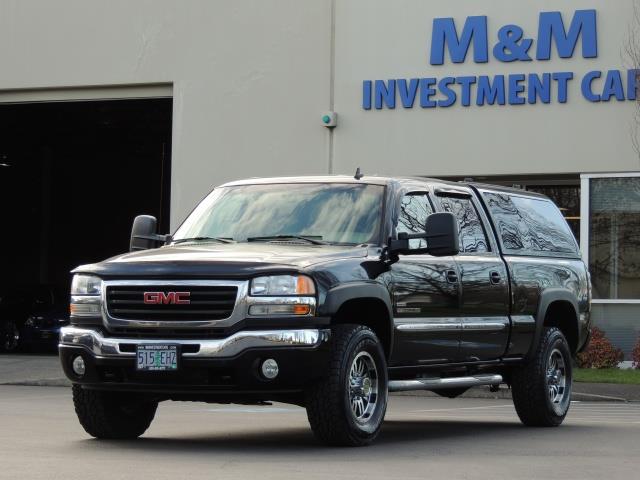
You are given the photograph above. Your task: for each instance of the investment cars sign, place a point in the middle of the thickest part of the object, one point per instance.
(510, 43)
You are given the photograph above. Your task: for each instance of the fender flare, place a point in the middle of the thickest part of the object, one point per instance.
(547, 297)
(337, 296)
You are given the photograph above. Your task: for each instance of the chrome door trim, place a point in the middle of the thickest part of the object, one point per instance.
(484, 326)
(418, 324)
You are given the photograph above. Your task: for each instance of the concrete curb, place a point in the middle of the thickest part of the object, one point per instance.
(47, 382)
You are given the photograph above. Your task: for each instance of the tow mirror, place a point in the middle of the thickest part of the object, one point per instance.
(441, 234)
(143, 233)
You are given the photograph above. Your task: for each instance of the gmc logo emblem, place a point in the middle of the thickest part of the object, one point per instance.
(169, 298)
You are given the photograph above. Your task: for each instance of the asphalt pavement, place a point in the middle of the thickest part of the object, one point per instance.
(422, 438)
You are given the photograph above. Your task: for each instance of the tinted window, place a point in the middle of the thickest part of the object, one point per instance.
(414, 209)
(530, 226)
(472, 236)
(333, 212)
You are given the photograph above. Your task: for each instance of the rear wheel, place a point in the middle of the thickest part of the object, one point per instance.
(113, 415)
(542, 389)
(348, 406)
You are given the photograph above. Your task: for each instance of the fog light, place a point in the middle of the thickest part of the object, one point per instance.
(78, 366)
(270, 369)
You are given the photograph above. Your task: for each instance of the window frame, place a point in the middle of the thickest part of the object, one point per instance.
(585, 224)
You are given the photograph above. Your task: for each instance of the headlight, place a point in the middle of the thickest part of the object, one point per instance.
(85, 296)
(86, 285)
(277, 285)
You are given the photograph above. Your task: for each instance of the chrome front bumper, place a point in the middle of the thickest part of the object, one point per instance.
(231, 346)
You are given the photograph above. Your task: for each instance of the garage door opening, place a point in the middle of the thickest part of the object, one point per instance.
(73, 175)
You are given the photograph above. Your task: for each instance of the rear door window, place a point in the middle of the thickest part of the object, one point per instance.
(530, 226)
(472, 236)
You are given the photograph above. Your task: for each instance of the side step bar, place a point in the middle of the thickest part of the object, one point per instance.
(440, 383)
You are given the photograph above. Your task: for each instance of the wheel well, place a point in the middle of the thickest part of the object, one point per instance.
(371, 312)
(562, 314)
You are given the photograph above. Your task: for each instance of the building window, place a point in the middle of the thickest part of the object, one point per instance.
(614, 237)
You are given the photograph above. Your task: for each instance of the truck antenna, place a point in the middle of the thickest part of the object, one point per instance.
(358, 174)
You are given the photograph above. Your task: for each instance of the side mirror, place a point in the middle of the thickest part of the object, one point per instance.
(143, 233)
(441, 233)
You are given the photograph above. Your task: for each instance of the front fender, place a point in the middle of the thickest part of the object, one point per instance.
(337, 296)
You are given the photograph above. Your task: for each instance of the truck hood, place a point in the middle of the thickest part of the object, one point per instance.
(208, 260)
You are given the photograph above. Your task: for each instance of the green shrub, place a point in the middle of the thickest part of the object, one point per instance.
(600, 353)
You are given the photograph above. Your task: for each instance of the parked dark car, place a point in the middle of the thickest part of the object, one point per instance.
(31, 317)
(14, 307)
(49, 312)
(330, 292)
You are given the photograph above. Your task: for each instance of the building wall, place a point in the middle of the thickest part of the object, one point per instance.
(250, 78)
(376, 39)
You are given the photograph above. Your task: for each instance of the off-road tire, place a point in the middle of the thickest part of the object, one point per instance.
(328, 401)
(113, 415)
(529, 386)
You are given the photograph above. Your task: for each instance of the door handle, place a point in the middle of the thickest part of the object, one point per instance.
(495, 278)
(452, 276)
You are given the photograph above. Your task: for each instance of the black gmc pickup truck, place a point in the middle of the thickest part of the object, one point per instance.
(330, 292)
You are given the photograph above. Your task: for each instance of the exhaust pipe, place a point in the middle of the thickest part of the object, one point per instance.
(440, 383)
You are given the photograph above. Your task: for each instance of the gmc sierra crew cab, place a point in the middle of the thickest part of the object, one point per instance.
(328, 292)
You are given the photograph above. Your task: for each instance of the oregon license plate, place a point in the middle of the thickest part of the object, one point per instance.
(157, 357)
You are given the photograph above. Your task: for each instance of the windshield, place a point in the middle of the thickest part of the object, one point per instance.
(333, 213)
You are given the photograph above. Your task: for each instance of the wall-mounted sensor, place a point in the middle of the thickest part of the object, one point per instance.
(329, 119)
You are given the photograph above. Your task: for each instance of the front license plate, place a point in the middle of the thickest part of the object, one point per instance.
(157, 357)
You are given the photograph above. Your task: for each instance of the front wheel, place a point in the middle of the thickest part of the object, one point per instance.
(541, 389)
(113, 415)
(348, 406)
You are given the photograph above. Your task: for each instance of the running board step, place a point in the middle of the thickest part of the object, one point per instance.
(440, 383)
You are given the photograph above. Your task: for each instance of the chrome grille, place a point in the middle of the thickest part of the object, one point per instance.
(207, 302)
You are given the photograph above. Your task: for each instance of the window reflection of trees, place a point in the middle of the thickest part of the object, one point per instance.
(472, 236)
(414, 209)
(530, 225)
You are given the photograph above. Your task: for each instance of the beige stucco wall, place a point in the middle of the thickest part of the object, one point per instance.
(250, 79)
(388, 40)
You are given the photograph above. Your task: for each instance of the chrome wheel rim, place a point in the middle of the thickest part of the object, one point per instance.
(363, 387)
(558, 388)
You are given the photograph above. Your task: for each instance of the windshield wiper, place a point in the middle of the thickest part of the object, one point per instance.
(316, 240)
(199, 239)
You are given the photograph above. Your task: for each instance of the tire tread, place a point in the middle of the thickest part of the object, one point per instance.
(529, 388)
